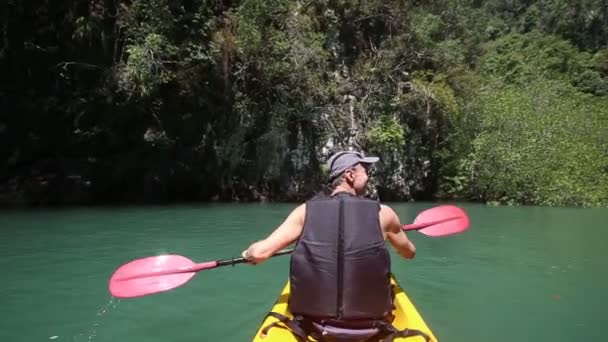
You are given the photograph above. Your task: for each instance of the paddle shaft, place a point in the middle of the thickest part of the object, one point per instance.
(241, 260)
(198, 267)
(413, 226)
(234, 261)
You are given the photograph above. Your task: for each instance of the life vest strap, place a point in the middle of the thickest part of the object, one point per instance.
(406, 333)
(293, 325)
(302, 328)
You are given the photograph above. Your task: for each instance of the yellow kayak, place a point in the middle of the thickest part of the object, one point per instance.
(405, 313)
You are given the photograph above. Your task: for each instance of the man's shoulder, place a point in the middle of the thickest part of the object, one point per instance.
(386, 209)
(387, 214)
(300, 210)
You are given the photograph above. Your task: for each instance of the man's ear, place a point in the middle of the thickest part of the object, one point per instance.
(349, 175)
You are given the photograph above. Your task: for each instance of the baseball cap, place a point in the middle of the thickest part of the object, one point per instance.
(342, 161)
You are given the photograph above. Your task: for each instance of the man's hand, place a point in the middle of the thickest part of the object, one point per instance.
(247, 256)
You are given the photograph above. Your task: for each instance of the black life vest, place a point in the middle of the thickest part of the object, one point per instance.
(340, 267)
(340, 275)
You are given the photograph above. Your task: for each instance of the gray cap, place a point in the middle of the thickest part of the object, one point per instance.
(342, 161)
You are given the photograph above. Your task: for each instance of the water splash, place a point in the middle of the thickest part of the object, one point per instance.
(90, 333)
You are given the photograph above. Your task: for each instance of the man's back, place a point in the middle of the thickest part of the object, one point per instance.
(291, 229)
(340, 268)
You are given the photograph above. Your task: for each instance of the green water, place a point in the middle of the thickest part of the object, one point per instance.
(527, 273)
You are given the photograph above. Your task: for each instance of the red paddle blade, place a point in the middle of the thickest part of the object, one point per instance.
(441, 221)
(150, 275)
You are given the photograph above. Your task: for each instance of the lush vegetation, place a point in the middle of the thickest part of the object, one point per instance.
(158, 100)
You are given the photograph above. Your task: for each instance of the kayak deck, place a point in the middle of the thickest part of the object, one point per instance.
(406, 316)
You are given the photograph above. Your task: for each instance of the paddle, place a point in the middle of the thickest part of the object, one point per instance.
(161, 273)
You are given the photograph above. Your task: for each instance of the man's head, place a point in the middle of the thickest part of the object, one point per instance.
(349, 168)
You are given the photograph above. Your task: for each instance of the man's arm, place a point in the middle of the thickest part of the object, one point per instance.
(395, 233)
(288, 232)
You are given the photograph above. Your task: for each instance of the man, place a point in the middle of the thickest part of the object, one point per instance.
(340, 268)
(347, 173)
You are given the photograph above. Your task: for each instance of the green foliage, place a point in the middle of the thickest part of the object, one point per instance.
(143, 17)
(600, 61)
(438, 90)
(522, 58)
(503, 102)
(385, 135)
(541, 144)
(539, 138)
(592, 82)
(148, 65)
